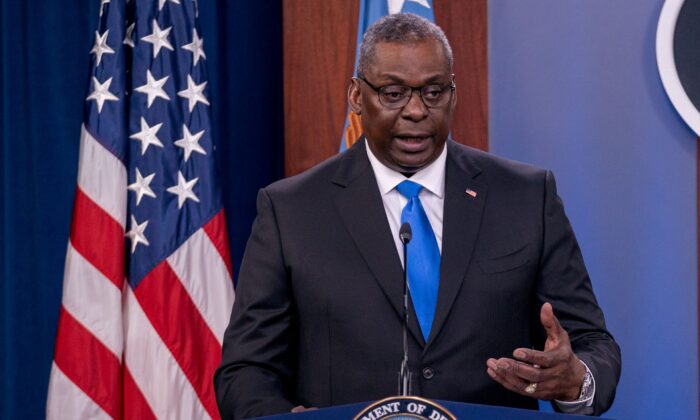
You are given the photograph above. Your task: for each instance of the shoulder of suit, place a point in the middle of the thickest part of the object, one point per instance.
(491, 165)
(313, 179)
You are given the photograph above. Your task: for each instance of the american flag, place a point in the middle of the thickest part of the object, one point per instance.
(148, 282)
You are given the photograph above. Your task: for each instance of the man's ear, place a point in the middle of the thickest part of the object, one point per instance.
(355, 96)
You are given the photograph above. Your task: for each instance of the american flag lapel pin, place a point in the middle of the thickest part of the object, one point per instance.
(471, 193)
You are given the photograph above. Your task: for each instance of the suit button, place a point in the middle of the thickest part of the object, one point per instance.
(428, 373)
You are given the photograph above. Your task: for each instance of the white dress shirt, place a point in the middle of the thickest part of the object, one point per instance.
(432, 197)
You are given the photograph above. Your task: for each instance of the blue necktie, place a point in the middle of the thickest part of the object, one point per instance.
(423, 257)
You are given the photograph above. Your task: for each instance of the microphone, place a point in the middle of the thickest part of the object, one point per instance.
(405, 234)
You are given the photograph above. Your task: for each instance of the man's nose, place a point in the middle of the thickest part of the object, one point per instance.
(415, 109)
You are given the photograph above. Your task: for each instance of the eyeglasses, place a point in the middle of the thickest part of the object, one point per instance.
(397, 96)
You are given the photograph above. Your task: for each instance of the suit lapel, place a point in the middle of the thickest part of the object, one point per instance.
(463, 208)
(361, 209)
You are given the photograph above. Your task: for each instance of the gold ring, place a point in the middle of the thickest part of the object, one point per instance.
(530, 389)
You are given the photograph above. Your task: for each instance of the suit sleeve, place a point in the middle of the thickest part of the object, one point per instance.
(566, 285)
(255, 376)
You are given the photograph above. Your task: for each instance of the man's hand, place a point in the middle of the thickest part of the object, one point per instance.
(555, 373)
(301, 409)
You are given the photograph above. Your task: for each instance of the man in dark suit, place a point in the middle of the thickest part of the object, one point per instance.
(318, 314)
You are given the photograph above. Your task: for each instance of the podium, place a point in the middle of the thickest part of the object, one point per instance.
(462, 411)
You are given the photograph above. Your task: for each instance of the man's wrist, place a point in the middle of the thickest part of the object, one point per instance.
(587, 385)
(578, 374)
(585, 398)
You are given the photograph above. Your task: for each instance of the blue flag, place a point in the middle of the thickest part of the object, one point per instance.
(370, 12)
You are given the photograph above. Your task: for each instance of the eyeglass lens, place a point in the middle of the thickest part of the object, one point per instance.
(397, 96)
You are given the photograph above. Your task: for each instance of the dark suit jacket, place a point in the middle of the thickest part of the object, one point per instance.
(316, 320)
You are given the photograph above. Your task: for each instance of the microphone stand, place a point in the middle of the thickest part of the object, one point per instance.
(405, 374)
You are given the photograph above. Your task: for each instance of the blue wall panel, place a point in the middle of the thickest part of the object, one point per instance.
(574, 87)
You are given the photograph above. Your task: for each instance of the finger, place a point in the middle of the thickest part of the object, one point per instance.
(301, 409)
(511, 371)
(501, 379)
(527, 372)
(530, 373)
(550, 322)
(502, 367)
(506, 378)
(522, 371)
(544, 390)
(543, 359)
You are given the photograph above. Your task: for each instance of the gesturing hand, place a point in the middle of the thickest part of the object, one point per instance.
(555, 373)
(301, 409)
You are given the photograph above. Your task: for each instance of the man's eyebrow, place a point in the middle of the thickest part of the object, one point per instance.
(437, 78)
(391, 78)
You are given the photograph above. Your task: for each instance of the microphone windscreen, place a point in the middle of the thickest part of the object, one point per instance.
(405, 233)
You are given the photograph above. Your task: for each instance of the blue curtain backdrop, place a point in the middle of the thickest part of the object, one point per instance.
(574, 87)
(43, 79)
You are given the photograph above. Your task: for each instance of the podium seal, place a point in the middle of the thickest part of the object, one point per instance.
(405, 408)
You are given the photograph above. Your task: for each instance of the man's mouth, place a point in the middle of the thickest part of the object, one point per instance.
(412, 142)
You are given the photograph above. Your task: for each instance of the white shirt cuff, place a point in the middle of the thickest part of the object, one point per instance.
(583, 405)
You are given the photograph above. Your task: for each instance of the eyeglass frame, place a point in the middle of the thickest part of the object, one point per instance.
(451, 85)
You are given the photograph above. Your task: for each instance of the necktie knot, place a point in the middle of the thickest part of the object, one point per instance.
(409, 189)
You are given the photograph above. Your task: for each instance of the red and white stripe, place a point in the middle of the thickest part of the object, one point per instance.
(144, 353)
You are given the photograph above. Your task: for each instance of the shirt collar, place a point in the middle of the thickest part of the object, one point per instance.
(432, 177)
